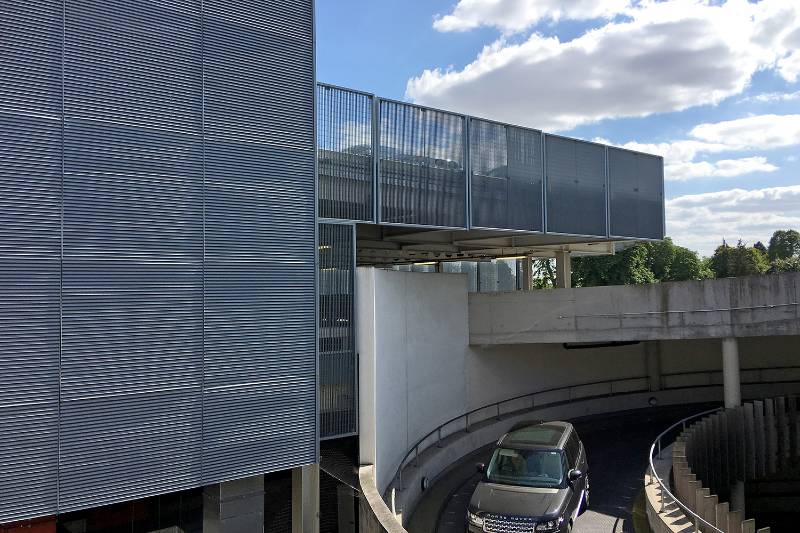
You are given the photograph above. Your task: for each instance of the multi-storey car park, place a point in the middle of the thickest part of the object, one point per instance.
(183, 333)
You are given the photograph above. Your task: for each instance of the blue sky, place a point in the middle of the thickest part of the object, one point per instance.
(713, 85)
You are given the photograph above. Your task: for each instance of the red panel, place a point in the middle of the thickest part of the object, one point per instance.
(38, 525)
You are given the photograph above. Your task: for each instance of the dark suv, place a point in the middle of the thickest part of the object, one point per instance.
(536, 482)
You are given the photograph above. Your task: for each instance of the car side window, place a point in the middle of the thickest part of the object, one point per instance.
(572, 450)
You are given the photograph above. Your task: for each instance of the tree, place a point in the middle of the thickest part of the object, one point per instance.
(624, 268)
(642, 263)
(686, 265)
(760, 247)
(543, 273)
(740, 260)
(784, 244)
(670, 262)
(791, 264)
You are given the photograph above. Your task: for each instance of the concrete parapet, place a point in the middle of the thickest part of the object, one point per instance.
(740, 307)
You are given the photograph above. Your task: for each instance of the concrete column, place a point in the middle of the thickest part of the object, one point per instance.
(738, 497)
(652, 353)
(732, 382)
(563, 270)
(305, 499)
(234, 506)
(527, 273)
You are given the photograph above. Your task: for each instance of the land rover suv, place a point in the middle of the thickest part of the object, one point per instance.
(536, 482)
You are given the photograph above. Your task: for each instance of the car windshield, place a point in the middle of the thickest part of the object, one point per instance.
(528, 468)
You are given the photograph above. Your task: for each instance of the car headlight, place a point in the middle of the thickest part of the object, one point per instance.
(474, 519)
(550, 525)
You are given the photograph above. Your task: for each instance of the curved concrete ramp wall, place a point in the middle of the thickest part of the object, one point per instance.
(417, 369)
(732, 307)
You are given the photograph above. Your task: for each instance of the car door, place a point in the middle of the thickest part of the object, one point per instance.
(572, 450)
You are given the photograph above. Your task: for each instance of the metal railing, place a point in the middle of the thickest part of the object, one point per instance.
(566, 394)
(697, 520)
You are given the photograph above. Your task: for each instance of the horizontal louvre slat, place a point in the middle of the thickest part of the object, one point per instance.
(133, 251)
(259, 401)
(30, 255)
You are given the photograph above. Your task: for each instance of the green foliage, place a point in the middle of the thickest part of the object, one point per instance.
(543, 273)
(664, 261)
(740, 260)
(624, 268)
(641, 263)
(784, 244)
(791, 264)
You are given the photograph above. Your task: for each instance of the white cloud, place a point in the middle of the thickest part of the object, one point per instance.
(724, 168)
(758, 132)
(702, 221)
(664, 56)
(517, 15)
(773, 97)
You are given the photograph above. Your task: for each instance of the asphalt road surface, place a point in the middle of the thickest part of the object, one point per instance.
(616, 446)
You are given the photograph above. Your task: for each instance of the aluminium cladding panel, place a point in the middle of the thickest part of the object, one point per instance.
(344, 154)
(337, 356)
(506, 176)
(259, 396)
(576, 187)
(636, 194)
(131, 365)
(422, 176)
(30, 256)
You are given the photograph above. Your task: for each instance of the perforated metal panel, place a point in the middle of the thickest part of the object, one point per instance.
(133, 251)
(259, 399)
(576, 186)
(337, 356)
(422, 166)
(506, 176)
(30, 256)
(344, 153)
(636, 185)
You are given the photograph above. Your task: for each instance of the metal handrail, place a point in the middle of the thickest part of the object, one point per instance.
(496, 406)
(697, 520)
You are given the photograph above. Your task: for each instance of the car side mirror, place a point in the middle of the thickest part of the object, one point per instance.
(480, 467)
(574, 474)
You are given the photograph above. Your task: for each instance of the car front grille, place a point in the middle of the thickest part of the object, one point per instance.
(493, 523)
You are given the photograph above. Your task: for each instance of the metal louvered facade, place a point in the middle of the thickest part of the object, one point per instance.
(506, 169)
(421, 167)
(576, 187)
(393, 163)
(345, 161)
(338, 399)
(157, 247)
(30, 254)
(636, 195)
